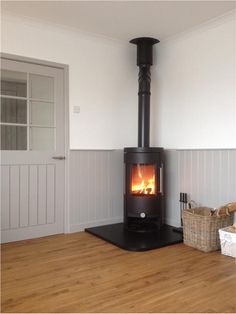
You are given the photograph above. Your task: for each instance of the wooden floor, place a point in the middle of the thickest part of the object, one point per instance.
(81, 273)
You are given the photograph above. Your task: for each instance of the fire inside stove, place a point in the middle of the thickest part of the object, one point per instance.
(143, 179)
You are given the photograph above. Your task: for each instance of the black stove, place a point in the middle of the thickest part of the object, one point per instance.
(143, 227)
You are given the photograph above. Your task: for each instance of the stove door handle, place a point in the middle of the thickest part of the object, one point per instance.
(161, 179)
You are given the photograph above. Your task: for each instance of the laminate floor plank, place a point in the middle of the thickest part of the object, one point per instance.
(81, 273)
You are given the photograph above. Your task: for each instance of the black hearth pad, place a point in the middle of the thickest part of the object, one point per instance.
(133, 241)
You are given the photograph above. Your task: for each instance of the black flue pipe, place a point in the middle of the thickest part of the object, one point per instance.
(144, 62)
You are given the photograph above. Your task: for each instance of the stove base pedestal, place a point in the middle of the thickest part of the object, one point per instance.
(136, 241)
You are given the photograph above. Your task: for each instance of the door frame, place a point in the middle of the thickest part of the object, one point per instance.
(65, 68)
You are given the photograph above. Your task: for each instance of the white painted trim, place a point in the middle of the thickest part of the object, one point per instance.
(23, 233)
(67, 151)
(95, 223)
(30, 60)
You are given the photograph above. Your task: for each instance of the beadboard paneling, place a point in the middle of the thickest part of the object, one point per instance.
(208, 176)
(95, 188)
(96, 183)
(27, 196)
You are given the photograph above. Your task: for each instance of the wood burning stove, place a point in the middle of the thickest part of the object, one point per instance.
(142, 228)
(143, 197)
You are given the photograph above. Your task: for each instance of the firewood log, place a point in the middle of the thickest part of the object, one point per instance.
(222, 211)
(226, 210)
(231, 207)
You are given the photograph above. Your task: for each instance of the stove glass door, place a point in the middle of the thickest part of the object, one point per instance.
(143, 179)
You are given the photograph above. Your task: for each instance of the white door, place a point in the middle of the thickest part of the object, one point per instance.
(32, 136)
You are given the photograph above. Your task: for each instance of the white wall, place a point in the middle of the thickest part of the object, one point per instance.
(194, 104)
(102, 79)
(193, 84)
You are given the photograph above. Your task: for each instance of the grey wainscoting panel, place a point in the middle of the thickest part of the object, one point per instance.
(208, 176)
(96, 188)
(96, 183)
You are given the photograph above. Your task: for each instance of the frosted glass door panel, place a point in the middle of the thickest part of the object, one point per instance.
(41, 87)
(42, 113)
(13, 110)
(13, 137)
(27, 111)
(42, 139)
(13, 83)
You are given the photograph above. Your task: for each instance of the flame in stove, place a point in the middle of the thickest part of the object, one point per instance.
(143, 182)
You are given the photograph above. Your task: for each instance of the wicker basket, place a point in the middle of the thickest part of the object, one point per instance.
(201, 228)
